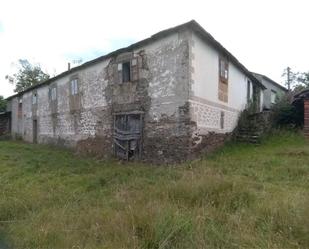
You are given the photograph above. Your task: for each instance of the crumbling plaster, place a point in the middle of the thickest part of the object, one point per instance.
(161, 92)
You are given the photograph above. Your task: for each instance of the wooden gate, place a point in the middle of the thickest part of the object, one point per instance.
(128, 135)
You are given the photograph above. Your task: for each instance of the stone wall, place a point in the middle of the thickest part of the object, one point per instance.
(159, 90)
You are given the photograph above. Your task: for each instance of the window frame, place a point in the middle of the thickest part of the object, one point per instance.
(74, 87)
(223, 70)
(273, 93)
(34, 97)
(53, 93)
(120, 68)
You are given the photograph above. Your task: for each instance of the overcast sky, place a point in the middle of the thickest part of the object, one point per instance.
(265, 35)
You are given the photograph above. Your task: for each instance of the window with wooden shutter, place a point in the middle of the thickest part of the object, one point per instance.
(134, 69)
(126, 69)
(223, 79)
(118, 76)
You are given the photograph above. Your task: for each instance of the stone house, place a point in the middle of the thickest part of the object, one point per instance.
(272, 92)
(162, 99)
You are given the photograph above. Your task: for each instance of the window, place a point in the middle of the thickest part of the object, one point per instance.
(222, 120)
(53, 93)
(224, 70)
(273, 96)
(34, 98)
(20, 108)
(126, 71)
(223, 79)
(74, 87)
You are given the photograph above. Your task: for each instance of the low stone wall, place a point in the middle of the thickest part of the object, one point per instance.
(204, 144)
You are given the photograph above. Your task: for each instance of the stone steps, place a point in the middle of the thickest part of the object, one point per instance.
(252, 130)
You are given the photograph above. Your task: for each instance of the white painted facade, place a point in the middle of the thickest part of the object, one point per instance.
(206, 106)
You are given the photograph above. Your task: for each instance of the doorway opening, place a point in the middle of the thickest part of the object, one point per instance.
(35, 131)
(128, 135)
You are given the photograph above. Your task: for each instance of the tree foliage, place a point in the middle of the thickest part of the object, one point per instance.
(298, 80)
(286, 114)
(2, 104)
(28, 75)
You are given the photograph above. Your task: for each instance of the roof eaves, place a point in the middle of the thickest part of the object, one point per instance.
(208, 37)
(191, 25)
(136, 45)
(271, 81)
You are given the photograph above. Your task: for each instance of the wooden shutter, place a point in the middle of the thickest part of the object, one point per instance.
(119, 73)
(117, 68)
(134, 68)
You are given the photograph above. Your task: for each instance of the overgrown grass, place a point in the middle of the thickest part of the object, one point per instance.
(242, 196)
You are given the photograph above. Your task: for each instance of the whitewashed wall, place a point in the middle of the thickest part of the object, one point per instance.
(206, 106)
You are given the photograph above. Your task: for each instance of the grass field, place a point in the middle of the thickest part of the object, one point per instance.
(243, 196)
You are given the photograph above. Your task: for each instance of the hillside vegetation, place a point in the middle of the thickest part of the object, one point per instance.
(243, 196)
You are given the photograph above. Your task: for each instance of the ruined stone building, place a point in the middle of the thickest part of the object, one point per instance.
(161, 99)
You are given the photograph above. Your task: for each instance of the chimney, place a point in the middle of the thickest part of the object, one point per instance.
(69, 66)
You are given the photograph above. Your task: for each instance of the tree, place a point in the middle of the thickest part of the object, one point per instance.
(28, 75)
(296, 81)
(2, 104)
(303, 78)
(291, 77)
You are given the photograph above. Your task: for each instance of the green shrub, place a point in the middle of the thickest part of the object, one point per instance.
(288, 115)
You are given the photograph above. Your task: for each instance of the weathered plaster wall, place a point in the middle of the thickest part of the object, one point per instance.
(161, 92)
(206, 107)
(267, 92)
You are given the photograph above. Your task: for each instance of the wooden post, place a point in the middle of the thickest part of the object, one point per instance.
(306, 118)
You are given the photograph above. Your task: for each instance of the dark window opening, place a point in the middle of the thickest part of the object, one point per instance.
(126, 72)
(35, 131)
(222, 120)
